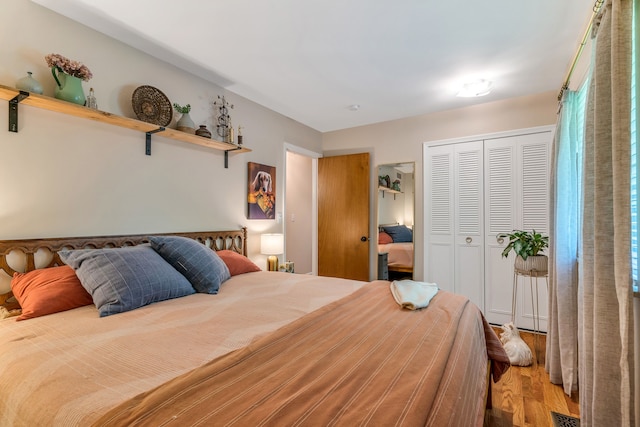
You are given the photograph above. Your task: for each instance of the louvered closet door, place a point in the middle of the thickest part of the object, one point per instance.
(439, 179)
(468, 213)
(454, 218)
(516, 195)
(500, 195)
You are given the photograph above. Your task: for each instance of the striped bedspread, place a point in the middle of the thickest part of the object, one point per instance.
(399, 254)
(360, 360)
(68, 369)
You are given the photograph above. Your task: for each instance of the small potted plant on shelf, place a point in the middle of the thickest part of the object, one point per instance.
(528, 247)
(185, 124)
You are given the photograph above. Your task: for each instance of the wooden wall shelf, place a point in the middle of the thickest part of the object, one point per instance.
(388, 190)
(15, 97)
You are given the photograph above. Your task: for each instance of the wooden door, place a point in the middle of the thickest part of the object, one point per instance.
(343, 216)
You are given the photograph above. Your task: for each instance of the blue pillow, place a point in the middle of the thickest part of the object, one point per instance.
(122, 279)
(199, 264)
(399, 233)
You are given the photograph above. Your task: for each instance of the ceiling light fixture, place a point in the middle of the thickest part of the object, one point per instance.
(354, 107)
(475, 88)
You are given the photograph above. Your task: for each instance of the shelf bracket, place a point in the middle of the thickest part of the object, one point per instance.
(226, 156)
(147, 148)
(13, 110)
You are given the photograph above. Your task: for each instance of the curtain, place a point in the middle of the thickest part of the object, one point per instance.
(605, 318)
(562, 332)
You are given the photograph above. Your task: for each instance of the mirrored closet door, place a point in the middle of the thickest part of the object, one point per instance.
(395, 220)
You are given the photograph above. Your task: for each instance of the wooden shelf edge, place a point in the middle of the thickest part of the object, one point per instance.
(8, 93)
(56, 105)
(199, 140)
(389, 190)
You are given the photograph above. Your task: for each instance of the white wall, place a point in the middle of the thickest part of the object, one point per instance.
(391, 207)
(401, 141)
(298, 212)
(64, 176)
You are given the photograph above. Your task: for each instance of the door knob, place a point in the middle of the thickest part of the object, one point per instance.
(363, 239)
(468, 240)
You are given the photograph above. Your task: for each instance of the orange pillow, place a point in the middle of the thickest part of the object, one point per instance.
(384, 238)
(237, 263)
(48, 290)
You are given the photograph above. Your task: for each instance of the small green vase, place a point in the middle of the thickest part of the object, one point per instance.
(68, 88)
(29, 84)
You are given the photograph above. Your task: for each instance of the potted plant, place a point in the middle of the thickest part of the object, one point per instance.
(527, 247)
(185, 124)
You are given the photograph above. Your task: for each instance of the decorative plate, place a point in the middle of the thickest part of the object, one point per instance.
(152, 106)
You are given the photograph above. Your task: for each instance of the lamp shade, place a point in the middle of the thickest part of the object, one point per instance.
(272, 244)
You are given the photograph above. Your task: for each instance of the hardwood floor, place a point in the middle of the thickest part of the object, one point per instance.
(525, 396)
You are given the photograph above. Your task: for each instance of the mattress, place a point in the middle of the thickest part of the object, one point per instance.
(400, 255)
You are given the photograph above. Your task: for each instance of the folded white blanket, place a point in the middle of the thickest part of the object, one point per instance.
(411, 294)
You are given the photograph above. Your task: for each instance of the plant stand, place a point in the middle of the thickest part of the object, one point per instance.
(534, 269)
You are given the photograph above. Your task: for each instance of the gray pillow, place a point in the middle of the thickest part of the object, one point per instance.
(122, 279)
(199, 264)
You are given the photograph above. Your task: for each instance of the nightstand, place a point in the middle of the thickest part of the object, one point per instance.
(383, 269)
(287, 267)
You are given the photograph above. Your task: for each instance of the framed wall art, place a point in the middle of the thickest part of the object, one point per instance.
(261, 196)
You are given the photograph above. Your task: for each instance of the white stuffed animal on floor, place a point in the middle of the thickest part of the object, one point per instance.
(518, 351)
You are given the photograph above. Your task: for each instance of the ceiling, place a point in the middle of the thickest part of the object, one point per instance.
(311, 60)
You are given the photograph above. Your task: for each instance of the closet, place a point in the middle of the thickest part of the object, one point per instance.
(475, 190)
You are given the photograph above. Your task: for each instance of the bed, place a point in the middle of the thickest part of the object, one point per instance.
(269, 348)
(396, 241)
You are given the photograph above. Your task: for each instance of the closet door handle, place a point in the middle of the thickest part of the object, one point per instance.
(500, 239)
(468, 240)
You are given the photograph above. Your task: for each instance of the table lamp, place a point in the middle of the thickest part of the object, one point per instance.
(272, 245)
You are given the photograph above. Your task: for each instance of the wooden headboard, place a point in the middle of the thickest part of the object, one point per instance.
(234, 240)
(380, 226)
(43, 253)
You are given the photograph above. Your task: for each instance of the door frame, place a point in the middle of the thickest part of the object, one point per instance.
(373, 189)
(314, 198)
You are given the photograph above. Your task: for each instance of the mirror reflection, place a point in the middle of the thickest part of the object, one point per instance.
(395, 221)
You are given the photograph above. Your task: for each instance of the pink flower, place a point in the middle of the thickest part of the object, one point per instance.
(73, 68)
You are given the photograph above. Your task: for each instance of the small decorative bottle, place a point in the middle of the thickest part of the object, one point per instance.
(91, 100)
(231, 136)
(239, 135)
